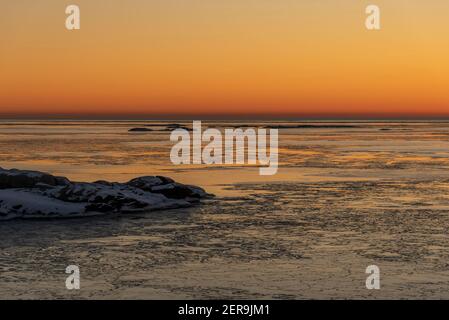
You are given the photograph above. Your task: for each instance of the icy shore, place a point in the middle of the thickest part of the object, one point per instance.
(32, 194)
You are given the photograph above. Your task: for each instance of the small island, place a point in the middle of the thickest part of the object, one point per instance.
(140, 130)
(32, 194)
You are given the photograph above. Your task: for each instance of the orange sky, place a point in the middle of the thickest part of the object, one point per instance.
(257, 57)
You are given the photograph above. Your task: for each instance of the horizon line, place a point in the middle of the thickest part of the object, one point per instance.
(226, 116)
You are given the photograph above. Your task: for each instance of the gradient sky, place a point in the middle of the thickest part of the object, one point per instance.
(256, 57)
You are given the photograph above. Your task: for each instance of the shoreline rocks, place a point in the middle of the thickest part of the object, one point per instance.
(160, 128)
(32, 194)
(140, 130)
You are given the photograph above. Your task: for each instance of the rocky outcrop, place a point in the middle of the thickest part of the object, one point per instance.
(31, 194)
(140, 130)
(168, 187)
(160, 127)
(28, 179)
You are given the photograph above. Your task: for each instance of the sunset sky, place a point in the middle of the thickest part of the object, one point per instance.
(304, 58)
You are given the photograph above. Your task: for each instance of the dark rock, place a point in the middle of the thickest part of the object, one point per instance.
(140, 130)
(168, 187)
(168, 127)
(147, 183)
(179, 191)
(28, 179)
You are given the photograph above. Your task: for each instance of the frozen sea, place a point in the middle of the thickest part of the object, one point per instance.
(366, 193)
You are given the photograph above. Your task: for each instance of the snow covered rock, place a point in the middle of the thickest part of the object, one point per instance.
(168, 188)
(17, 203)
(31, 194)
